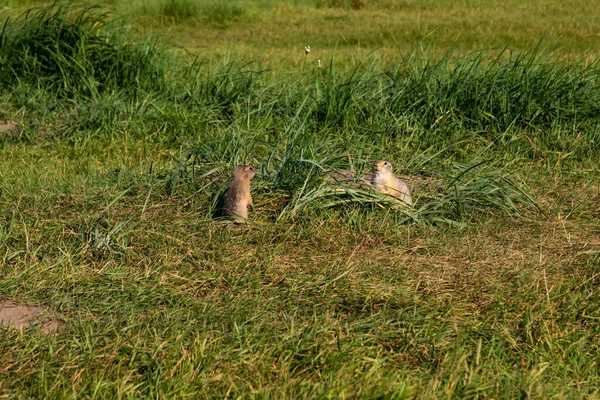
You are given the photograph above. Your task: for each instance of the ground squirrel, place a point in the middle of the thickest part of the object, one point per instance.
(386, 182)
(238, 198)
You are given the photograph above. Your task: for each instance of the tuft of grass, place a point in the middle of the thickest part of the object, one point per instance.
(179, 10)
(189, 12)
(461, 195)
(219, 12)
(73, 50)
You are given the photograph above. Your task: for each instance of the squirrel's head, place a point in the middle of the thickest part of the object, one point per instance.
(382, 166)
(245, 172)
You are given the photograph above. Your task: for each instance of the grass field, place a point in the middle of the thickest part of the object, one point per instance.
(131, 124)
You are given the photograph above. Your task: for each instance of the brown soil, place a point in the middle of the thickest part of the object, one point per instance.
(10, 129)
(20, 317)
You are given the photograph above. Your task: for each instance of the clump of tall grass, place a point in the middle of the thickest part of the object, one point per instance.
(223, 12)
(191, 11)
(71, 49)
(454, 197)
(513, 90)
(509, 103)
(179, 9)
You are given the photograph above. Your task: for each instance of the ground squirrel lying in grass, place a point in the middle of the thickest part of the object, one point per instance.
(386, 182)
(238, 198)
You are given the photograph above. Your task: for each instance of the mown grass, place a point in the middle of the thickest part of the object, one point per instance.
(350, 31)
(487, 288)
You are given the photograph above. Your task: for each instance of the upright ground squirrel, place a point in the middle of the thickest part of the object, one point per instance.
(386, 182)
(238, 198)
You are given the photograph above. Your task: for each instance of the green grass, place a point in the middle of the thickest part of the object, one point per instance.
(276, 32)
(486, 288)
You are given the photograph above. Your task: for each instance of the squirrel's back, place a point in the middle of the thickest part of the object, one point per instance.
(238, 197)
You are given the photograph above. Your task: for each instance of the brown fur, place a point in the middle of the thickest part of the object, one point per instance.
(386, 182)
(237, 198)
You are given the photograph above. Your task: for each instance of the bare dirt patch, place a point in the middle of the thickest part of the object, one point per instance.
(10, 129)
(20, 316)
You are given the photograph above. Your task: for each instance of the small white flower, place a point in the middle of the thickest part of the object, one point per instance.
(319, 63)
(306, 50)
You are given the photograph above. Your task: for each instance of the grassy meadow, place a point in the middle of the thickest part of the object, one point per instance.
(134, 114)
